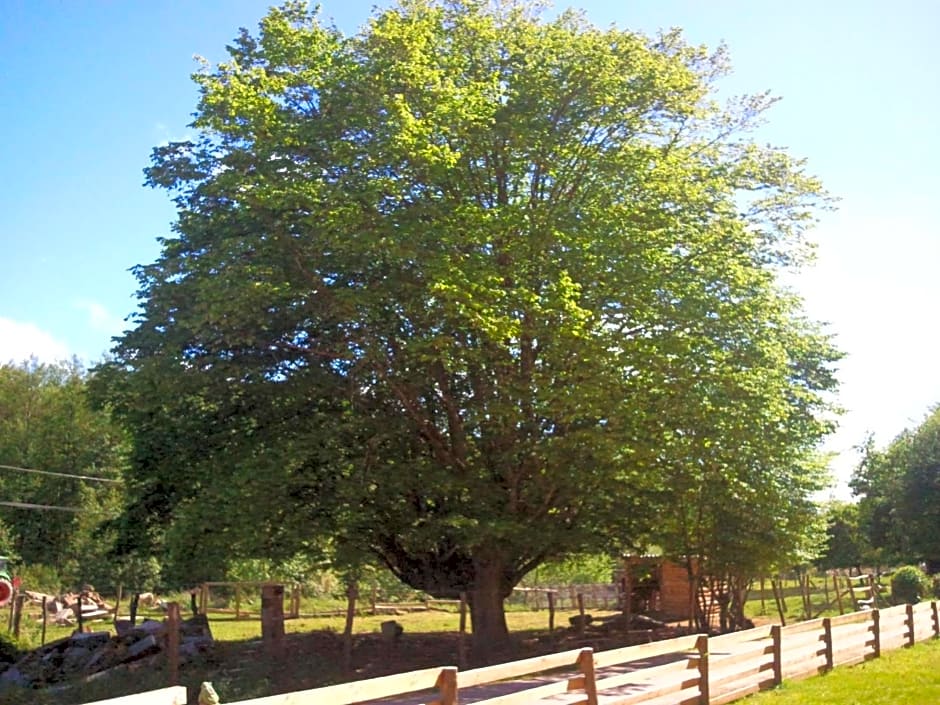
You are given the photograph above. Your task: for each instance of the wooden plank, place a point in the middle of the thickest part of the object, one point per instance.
(756, 634)
(514, 669)
(751, 654)
(733, 695)
(807, 626)
(174, 695)
(357, 691)
(615, 657)
(530, 695)
(757, 671)
(645, 676)
(851, 618)
(658, 691)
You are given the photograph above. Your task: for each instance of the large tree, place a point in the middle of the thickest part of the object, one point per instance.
(433, 287)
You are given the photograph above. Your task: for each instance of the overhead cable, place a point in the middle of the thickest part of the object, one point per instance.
(88, 478)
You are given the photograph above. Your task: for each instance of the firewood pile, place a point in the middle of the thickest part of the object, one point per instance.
(86, 655)
(63, 609)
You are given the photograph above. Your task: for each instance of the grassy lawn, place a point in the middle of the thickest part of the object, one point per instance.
(225, 627)
(902, 677)
(824, 602)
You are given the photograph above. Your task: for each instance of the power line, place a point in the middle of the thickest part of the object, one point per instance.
(89, 478)
(27, 505)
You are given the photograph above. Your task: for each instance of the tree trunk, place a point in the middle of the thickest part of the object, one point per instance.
(487, 614)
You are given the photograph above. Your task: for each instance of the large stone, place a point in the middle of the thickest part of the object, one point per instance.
(145, 647)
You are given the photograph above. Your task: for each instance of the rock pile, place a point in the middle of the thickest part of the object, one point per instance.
(84, 655)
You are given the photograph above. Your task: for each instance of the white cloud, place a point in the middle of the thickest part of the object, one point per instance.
(99, 317)
(19, 341)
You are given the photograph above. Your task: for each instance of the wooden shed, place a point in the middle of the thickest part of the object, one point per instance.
(657, 584)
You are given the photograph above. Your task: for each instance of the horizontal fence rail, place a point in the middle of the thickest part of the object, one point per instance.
(694, 669)
(174, 695)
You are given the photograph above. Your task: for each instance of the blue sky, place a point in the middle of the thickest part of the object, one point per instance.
(87, 89)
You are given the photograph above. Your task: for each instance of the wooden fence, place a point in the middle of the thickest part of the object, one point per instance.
(689, 669)
(175, 695)
(596, 596)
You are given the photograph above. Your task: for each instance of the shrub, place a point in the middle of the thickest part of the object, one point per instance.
(935, 586)
(908, 585)
(10, 650)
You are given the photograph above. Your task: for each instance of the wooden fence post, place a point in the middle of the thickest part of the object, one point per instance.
(447, 686)
(827, 635)
(20, 600)
(778, 600)
(586, 665)
(701, 645)
(462, 636)
(876, 631)
(295, 601)
(272, 620)
(173, 641)
(910, 625)
(776, 633)
(45, 616)
(851, 585)
(79, 612)
(835, 586)
(581, 612)
(117, 601)
(551, 611)
(936, 618)
(352, 592)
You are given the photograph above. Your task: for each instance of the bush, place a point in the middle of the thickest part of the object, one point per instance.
(908, 585)
(10, 650)
(935, 586)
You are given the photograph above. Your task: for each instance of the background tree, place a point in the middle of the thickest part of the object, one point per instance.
(48, 424)
(433, 285)
(899, 488)
(847, 545)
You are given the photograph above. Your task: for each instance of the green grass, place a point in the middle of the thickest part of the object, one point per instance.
(227, 628)
(901, 677)
(824, 604)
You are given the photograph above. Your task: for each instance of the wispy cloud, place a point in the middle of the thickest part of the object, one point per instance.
(20, 341)
(99, 317)
(165, 135)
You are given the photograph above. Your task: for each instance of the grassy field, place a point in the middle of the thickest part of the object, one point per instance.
(903, 677)
(225, 627)
(823, 599)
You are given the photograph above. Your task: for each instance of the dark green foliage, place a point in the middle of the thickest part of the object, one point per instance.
(47, 423)
(10, 649)
(846, 543)
(909, 584)
(899, 487)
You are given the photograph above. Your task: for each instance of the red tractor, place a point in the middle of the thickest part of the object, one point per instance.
(7, 583)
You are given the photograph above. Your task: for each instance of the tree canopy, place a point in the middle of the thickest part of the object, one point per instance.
(50, 439)
(899, 490)
(471, 289)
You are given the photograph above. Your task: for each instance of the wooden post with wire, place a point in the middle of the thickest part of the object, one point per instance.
(462, 634)
(173, 642)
